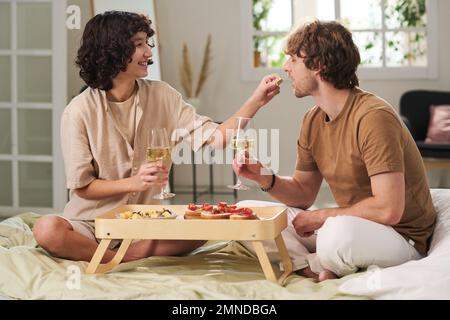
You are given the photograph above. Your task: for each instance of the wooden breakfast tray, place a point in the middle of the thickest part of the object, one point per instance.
(272, 220)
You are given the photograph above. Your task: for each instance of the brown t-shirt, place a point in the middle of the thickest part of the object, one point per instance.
(365, 139)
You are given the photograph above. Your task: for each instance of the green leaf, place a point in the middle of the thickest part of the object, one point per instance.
(368, 46)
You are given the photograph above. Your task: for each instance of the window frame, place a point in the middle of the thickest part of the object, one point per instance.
(250, 73)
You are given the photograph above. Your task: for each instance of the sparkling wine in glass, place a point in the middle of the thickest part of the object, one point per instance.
(158, 150)
(243, 144)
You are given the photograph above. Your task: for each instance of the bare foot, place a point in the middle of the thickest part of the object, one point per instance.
(327, 275)
(306, 272)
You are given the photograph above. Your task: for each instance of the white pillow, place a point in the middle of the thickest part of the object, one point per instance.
(428, 278)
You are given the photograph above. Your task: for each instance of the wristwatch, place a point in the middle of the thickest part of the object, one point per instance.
(271, 184)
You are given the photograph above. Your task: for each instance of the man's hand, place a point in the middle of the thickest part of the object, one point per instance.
(149, 174)
(306, 222)
(267, 89)
(252, 169)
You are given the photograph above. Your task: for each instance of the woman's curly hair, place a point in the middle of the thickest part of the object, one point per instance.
(106, 47)
(328, 47)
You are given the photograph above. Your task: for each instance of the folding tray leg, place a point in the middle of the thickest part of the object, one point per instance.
(95, 266)
(264, 261)
(98, 255)
(286, 260)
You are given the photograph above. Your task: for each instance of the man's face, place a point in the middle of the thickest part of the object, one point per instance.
(138, 67)
(304, 81)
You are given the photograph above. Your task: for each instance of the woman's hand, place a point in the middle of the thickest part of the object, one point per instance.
(149, 175)
(268, 88)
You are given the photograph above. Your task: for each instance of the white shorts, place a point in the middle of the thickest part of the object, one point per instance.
(342, 245)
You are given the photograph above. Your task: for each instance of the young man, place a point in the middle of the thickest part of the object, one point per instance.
(357, 142)
(104, 136)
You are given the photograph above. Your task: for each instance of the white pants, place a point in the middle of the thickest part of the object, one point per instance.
(342, 245)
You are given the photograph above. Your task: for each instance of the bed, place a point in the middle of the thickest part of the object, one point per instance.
(428, 278)
(219, 270)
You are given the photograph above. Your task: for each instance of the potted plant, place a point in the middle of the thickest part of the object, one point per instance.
(186, 74)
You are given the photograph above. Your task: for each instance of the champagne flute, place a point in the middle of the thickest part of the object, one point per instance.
(243, 143)
(158, 150)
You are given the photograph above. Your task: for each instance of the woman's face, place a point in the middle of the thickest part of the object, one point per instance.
(138, 67)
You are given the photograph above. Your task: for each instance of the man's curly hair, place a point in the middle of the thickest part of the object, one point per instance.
(106, 47)
(328, 47)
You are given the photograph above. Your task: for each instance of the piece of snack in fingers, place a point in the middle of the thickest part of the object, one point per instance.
(279, 81)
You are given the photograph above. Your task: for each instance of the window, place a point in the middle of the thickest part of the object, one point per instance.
(396, 38)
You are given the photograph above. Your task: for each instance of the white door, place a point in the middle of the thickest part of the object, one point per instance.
(32, 98)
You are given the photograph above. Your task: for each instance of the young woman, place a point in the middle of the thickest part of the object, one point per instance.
(104, 136)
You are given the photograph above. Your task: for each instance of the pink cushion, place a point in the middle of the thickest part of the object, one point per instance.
(439, 126)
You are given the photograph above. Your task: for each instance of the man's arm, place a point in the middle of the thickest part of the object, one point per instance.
(387, 203)
(385, 206)
(298, 191)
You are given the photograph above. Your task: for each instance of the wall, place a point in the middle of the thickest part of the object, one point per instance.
(74, 82)
(190, 21)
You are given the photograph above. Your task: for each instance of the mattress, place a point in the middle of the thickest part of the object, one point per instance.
(219, 270)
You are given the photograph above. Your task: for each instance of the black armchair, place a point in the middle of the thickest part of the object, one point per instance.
(415, 112)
